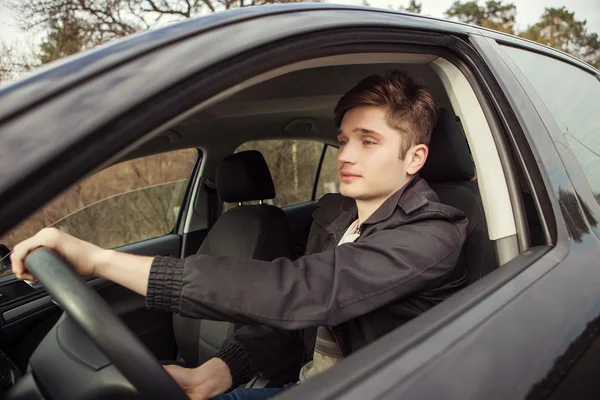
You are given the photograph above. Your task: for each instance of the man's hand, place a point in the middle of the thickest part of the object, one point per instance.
(83, 256)
(87, 259)
(208, 380)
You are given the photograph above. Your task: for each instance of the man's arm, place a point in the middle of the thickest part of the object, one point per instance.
(325, 288)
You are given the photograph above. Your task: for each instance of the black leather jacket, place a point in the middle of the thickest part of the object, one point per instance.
(405, 261)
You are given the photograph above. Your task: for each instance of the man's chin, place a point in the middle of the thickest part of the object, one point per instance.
(352, 193)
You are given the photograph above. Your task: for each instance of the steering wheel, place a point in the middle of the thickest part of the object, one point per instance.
(94, 316)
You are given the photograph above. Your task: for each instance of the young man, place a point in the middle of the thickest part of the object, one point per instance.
(379, 253)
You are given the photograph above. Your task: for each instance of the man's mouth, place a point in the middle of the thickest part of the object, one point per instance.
(348, 177)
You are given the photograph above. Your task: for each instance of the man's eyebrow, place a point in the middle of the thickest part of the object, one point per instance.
(366, 131)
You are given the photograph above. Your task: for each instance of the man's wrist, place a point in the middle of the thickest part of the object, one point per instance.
(222, 367)
(223, 372)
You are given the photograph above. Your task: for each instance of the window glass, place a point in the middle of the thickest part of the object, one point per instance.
(573, 97)
(123, 204)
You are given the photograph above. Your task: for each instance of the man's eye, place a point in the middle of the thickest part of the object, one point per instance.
(342, 142)
(368, 142)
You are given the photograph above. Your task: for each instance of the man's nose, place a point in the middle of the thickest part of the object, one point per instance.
(347, 153)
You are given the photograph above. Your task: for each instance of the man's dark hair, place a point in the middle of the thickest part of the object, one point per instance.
(410, 106)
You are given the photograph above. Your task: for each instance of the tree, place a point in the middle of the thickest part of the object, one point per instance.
(68, 35)
(103, 20)
(558, 28)
(75, 25)
(14, 61)
(6, 67)
(493, 14)
(413, 7)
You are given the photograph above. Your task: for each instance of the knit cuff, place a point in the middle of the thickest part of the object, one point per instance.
(164, 284)
(237, 361)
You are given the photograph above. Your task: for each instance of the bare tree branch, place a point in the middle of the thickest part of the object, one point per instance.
(209, 4)
(162, 11)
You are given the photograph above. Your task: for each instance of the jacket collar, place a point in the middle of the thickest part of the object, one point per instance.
(409, 198)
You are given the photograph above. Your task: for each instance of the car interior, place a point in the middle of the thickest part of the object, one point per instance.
(296, 102)
(285, 106)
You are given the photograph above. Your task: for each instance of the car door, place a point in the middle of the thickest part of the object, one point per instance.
(150, 93)
(527, 324)
(528, 329)
(133, 206)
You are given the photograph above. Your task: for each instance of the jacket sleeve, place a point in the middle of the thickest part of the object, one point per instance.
(254, 349)
(322, 289)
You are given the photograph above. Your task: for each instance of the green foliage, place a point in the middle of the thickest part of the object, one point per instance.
(558, 28)
(493, 14)
(413, 7)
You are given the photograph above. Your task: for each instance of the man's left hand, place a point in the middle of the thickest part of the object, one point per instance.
(208, 380)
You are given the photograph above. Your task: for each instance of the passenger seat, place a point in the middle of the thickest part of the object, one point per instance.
(249, 231)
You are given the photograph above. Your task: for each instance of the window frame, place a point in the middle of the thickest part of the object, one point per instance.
(326, 146)
(318, 174)
(188, 194)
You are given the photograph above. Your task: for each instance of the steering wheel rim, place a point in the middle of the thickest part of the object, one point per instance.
(103, 327)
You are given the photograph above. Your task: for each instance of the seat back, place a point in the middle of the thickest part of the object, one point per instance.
(249, 231)
(450, 173)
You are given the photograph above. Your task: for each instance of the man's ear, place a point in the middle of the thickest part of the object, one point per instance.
(416, 158)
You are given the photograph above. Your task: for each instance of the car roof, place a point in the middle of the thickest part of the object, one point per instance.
(58, 76)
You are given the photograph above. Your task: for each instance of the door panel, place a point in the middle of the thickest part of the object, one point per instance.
(153, 328)
(20, 338)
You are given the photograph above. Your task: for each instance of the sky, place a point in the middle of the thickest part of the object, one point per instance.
(528, 13)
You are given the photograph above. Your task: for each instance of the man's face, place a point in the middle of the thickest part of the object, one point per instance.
(369, 161)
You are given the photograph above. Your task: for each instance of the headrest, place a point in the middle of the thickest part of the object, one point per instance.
(449, 157)
(244, 176)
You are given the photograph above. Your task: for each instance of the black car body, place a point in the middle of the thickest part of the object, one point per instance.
(527, 329)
